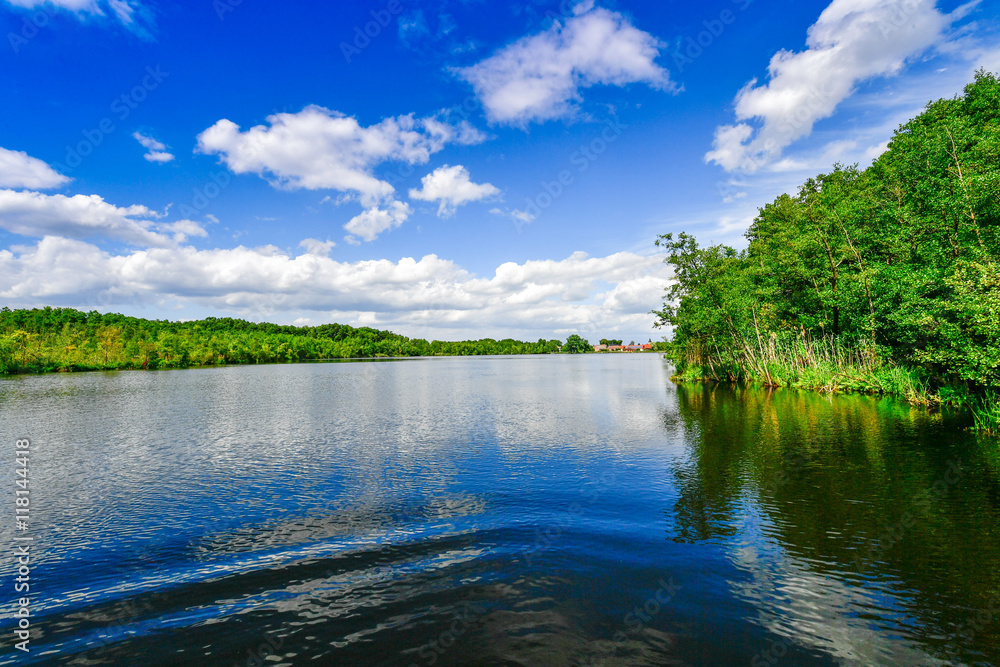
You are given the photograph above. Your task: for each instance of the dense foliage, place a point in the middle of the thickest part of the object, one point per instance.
(53, 339)
(577, 345)
(886, 278)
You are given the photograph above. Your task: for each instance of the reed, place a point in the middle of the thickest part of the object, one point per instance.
(828, 365)
(986, 413)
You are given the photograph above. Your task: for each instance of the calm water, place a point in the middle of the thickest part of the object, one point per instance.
(486, 511)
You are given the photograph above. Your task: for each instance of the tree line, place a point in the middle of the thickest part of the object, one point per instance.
(881, 279)
(64, 339)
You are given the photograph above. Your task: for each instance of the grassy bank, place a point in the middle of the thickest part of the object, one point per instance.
(986, 412)
(832, 365)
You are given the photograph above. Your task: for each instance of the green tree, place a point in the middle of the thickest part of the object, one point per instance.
(577, 345)
(896, 264)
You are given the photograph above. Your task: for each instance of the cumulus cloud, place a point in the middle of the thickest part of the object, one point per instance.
(376, 220)
(317, 247)
(430, 296)
(182, 230)
(155, 151)
(20, 170)
(35, 214)
(539, 78)
(853, 41)
(452, 187)
(317, 148)
(70, 268)
(132, 14)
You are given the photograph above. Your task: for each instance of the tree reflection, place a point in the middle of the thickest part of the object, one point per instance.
(859, 491)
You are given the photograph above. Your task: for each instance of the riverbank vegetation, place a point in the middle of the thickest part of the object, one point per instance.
(63, 339)
(884, 280)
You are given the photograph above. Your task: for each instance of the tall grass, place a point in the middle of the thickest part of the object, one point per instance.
(829, 364)
(986, 413)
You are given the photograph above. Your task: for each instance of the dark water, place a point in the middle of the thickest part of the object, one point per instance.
(525, 511)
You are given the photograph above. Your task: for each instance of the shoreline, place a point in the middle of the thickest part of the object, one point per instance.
(984, 408)
(78, 369)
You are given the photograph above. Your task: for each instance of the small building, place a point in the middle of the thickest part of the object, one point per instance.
(600, 348)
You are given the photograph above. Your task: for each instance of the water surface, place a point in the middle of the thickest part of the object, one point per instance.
(496, 511)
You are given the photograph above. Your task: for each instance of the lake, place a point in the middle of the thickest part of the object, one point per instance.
(558, 510)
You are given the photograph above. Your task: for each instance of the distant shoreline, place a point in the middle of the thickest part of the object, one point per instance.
(54, 340)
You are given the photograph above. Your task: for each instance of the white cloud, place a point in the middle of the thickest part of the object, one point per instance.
(20, 170)
(84, 217)
(76, 6)
(432, 297)
(155, 151)
(514, 214)
(539, 78)
(70, 268)
(989, 59)
(317, 247)
(413, 28)
(317, 148)
(376, 220)
(130, 13)
(452, 187)
(518, 217)
(182, 230)
(853, 41)
(833, 152)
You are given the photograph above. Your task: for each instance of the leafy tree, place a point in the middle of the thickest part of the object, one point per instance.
(895, 264)
(577, 345)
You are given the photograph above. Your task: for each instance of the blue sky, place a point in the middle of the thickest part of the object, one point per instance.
(443, 169)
